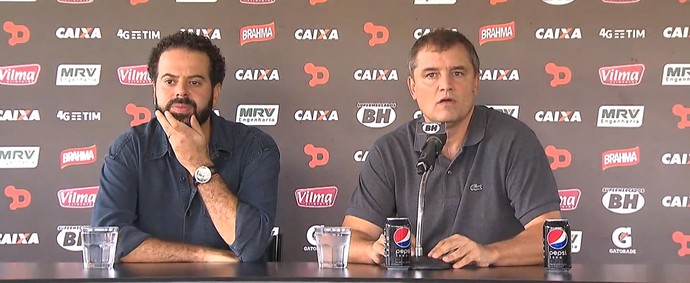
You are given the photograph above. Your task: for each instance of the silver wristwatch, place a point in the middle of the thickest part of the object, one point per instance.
(203, 174)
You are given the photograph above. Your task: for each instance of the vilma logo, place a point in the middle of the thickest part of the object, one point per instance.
(140, 115)
(561, 74)
(18, 33)
(21, 198)
(319, 74)
(379, 34)
(402, 237)
(561, 157)
(557, 238)
(682, 240)
(683, 113)
(319, 155)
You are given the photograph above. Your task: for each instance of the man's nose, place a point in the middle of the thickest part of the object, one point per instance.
(181, 90)
(445, 83)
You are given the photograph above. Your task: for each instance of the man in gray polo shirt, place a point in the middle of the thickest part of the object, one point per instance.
(492, 188)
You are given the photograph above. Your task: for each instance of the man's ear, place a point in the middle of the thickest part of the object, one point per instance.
(411, 87)
(216, 94)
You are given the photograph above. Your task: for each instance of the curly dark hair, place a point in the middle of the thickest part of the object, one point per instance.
(193, 42)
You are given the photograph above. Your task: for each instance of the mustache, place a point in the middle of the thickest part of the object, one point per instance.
(180, 100)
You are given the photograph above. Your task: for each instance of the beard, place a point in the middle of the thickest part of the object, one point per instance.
(201, 116)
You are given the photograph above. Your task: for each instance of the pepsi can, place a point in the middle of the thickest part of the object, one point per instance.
(557, 244)
(398, 243)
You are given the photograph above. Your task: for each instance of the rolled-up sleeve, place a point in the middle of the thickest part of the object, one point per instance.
(256, 210)
(116, 202)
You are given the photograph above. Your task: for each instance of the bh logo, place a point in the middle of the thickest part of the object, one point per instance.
(402, 237)
(557, 239)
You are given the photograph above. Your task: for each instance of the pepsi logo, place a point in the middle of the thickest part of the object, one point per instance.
(402, 237)
(557, 238)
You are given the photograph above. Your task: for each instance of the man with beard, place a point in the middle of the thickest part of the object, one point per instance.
(189, 186)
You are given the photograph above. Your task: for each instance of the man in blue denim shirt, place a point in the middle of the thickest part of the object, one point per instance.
(189, 186)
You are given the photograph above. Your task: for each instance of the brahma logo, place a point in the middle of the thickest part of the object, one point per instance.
(376, 115)
(77, 75)
(499, 74)
(675, 158)
(376, 75)
(316, 115)
(512, 110)
(136, 75)
(558, 116)
(19, 157)
(18, 238)
(69, 237)
(419, 32)
(434, 2)
(257, 115)
(257, 33)
(402, 237)
(676, 74)
(320, 197)
(211, 33)
(677, 32)
(77, 156)
(257, 75)
(77, 197)
(622, 238)
(620, 116)
(623, 200)
(256, 2)
(623, 75)
(497, 32)
(75, 1)
(19, 75)
(557, 238)
(620, 157)
(317, 34)
(78, 32)
(558, 33)
(19, 115)
(569, 198)
(676, 201)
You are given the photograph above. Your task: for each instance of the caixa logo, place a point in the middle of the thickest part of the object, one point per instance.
(69, 237)
(376, 115)
(320, 197)
(623, 200)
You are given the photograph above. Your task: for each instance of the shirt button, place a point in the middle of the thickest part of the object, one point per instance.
(189, 212)
(183, 178)
(449, 172)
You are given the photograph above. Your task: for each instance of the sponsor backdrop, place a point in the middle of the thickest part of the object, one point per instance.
(604, 84)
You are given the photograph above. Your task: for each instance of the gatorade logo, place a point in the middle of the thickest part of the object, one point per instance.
(21, 198)
(402, 237)
(561, 74)
(379, 34)
(557, 238)
(18, 33)
(319, 155)
(140, 115)
(319, 74)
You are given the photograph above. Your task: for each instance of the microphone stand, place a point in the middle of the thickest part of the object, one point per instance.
(420, 261)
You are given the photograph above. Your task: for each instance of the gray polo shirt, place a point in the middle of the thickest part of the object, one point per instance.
(499, 182)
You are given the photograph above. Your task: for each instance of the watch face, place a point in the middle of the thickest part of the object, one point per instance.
(202, 174)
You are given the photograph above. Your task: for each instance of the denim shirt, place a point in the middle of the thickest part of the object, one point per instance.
(146, 192)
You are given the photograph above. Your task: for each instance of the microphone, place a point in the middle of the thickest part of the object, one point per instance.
(435, 134)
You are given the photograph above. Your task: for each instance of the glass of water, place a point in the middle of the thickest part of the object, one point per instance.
(98, 246)
(332, 246)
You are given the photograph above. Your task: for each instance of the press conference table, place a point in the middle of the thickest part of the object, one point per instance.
(309, 272)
